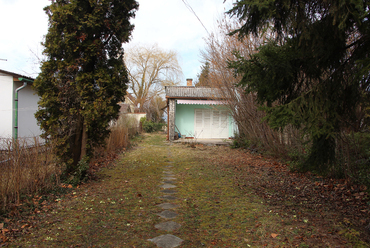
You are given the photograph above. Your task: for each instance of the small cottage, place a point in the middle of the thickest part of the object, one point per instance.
(129, 112)
(198, 112)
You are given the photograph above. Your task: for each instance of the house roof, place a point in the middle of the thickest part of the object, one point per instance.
(193, 92)
(15, 75)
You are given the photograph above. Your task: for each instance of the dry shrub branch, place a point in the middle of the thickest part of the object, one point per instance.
(352, 145)
(25, 170)
(30, 170)
(253, 130)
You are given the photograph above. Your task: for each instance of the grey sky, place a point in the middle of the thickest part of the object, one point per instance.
(169, 23)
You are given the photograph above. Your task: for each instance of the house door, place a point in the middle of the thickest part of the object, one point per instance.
(211, 124)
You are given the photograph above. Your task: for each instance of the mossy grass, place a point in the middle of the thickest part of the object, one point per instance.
(120, 209)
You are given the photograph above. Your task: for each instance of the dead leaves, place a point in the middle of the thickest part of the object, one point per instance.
(3, 230)
(274, 182)
(274, 235)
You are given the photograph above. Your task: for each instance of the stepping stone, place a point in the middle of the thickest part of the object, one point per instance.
(169, 178)
(168, 197)
(168, 214)
(168, 226)
(168, 186)
(168, 175)
(169, 191)
(166, 241)
(168, 172)
(167, 206)
(168, 182)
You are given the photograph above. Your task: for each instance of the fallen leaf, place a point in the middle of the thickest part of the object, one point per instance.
(1, 225)
(70, 186)
(274, 235)
(3, 238)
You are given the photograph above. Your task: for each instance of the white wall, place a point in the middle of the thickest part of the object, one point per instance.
(27, 107)
(6, 106)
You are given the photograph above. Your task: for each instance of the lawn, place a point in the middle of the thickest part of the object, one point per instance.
(226, 198)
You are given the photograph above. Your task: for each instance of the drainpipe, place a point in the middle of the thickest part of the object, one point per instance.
(24, 80)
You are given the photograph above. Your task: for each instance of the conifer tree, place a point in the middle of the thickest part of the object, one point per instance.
(84, 76)
(203, 77)
(315, 73)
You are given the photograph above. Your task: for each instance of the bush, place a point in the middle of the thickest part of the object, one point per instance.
(149, 126)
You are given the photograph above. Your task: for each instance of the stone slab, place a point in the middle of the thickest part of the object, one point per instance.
(166, 241)
(169, 175)
(168, 197)
(168, 181)
(168, 226)
(168, 186)
(169, 191)
(169, 178)
(167, 206)
(167, 214)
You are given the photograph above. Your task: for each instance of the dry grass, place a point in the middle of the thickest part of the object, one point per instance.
(24, 170)
(28, 170)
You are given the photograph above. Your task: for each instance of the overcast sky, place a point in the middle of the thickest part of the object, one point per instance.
(169, 23)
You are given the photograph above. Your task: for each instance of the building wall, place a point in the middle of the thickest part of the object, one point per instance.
(6, 106)
(185, 118)
(27, 107)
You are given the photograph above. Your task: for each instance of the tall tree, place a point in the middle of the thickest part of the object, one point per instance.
(84, 76)
(316, 71)
(150, 69)
(203, 78)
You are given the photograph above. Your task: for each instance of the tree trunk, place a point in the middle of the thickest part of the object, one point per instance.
(76, 144)
(83, 142)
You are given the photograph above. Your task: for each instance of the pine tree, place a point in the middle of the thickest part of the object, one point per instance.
(84, 76)
(203, 77)
(315, 73)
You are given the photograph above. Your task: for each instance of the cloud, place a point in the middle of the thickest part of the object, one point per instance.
(23, 25)
(173, 26)
(169, 23)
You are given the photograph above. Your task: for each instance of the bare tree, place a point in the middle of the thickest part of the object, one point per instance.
(220, 48)
(150, 69)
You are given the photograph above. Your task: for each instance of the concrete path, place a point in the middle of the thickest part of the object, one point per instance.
(168, 213)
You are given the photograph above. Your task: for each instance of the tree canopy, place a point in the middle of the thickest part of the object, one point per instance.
(315, 73)
(203, 79)
(84, 76)
(150, 69)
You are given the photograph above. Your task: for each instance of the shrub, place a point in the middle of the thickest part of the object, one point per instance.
(149, 126)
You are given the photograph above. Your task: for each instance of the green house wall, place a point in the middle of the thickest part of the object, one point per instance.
(184, 118)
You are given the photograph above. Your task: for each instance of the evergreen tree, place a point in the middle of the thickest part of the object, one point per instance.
(203, 77)
(84, 76)
(316, 71)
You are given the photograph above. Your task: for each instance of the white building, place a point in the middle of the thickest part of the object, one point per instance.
(11, 85)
